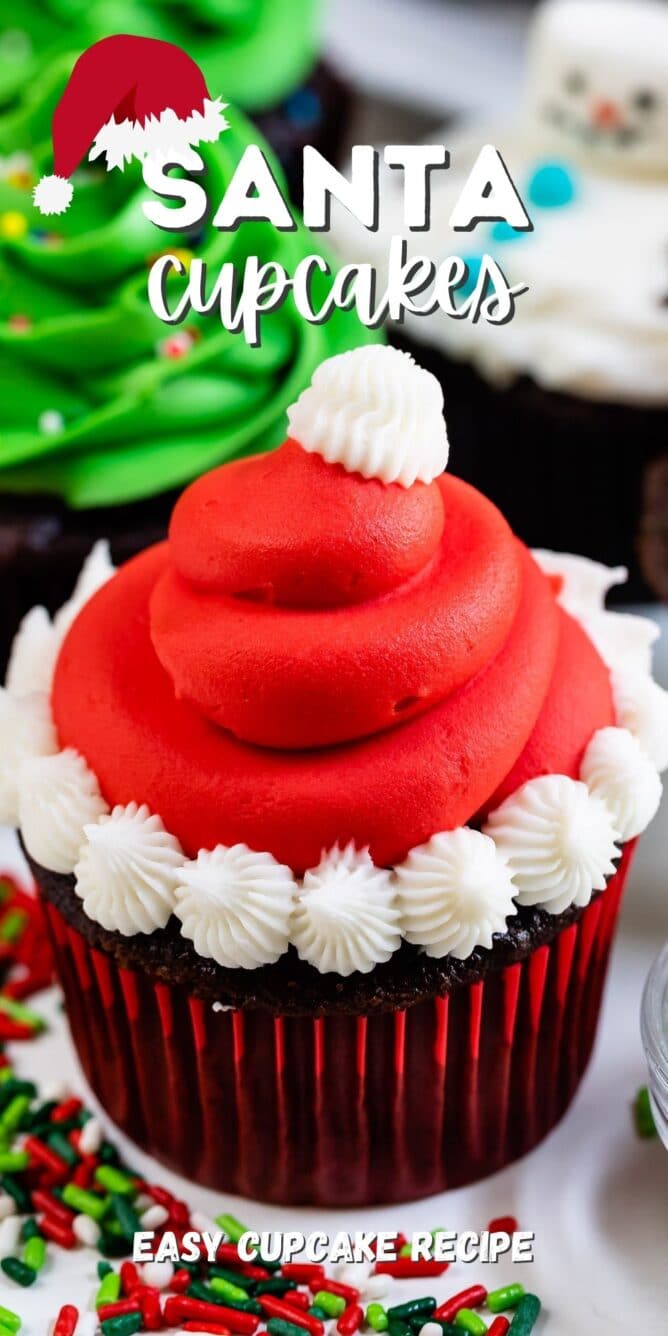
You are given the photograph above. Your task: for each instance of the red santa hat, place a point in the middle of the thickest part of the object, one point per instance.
(127, 97)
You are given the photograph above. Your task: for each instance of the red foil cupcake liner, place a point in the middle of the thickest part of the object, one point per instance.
(342, 1110)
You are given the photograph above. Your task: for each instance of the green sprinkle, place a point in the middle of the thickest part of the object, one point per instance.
(108, 1153)
(508, 1296)
(333, 1304)
(30, 1229)
(198, 1290)
(277, 1285)
(84, 1202)
(252, 1286)
(17, 1012)
(232, 1227)
(406, 1250)
(377, 1317)
(127, 1218)
(526, 1316)
(58, 1142)
(413, 1308)
(277, 1327)
(13, 925)
(9, 1320)
(14, 1114)
(644, 1118)
(320, 1313)
(124, 1325)
(111, 1245)
(103, 1269)
(13, 1161)
(40, 1117)
(17, 1191)
(6, 1074)
(15, 1087)
(18, 1271)
(109, 1290)
(114, 1180)
(34, 1253)
(470, 1322)
(229, 1291)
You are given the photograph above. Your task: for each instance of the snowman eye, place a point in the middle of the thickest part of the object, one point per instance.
(645, 100)
(575, 82)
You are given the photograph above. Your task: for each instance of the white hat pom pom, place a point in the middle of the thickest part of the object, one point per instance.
(53, 194)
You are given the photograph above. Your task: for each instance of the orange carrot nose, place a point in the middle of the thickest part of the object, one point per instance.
(606, 115)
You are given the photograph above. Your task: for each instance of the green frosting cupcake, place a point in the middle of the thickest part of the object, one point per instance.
(252, 52)
(103, 403)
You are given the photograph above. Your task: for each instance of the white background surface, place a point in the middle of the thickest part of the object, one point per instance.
(596, 1196)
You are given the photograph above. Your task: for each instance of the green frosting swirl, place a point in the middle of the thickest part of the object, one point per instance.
(96, 406)
(252, 52)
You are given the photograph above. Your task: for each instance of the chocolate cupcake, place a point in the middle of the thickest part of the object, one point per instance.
(574, 389)
(107, 411)
(331, 800)
(259, 55)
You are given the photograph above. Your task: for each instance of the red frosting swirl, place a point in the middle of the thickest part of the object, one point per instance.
(315, 658)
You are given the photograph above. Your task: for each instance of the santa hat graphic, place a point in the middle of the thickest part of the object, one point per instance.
(127, 97)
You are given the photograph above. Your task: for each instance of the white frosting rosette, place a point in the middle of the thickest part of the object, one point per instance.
(126, 875)
(559, 841)
(58, 797)
(455, 892)
(235, 905)
(26, 730)
(616, 769)
(346, 918)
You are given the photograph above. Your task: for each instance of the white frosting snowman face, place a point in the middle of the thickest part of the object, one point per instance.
(598, 82)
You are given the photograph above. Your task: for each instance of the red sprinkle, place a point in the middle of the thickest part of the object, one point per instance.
(180, 1282)
(303, 1272)
(130, 1278)
(68, 1109)
(405, 1267)
(57, 1232)
(57, 1210)
(499, 1327)
(85, 1172)
(279, 1308)
(43, 1154)
(179, 1214)
(151, 1312)
(474, 1297)
(350, 1320)
(117, 1309)
(181, 1305)
(159, 1195)
(505, 1224)
(199, 1325)
(66, 1322)
(10, 1030)
(346, 1292)
(297, 1299)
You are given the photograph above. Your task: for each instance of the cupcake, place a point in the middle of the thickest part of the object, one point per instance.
(575, 386)
(331, 799)
(107, 411)
(260, 55)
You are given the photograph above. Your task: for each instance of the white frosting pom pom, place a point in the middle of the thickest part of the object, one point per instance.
(585, 583)
(376, 412)
(455, 892)
(616, 769)
(126, 875)
(58, 797)
(235, 905)
(641, 705)
(346, 918)
(53, 194)
(33, 654)
(97, 569)
(27, 730)
(559, 841)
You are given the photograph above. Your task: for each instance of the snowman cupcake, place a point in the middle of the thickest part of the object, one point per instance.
(576, 385)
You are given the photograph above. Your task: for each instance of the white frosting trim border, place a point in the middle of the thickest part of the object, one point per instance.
(553, 843)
